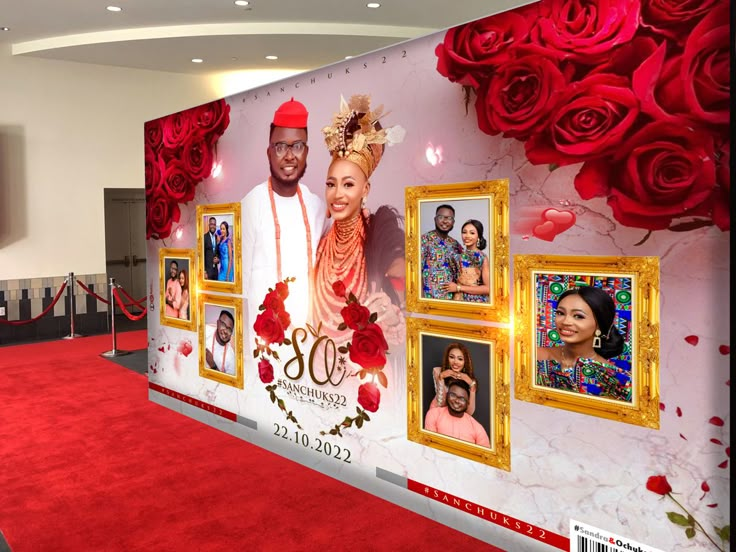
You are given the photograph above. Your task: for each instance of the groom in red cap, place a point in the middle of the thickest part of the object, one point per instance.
(282, 220)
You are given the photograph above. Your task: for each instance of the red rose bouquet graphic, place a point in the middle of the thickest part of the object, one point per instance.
(367, 348)
(179, 153)
(636, 90)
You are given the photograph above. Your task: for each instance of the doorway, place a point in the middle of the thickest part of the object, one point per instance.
(125, 245)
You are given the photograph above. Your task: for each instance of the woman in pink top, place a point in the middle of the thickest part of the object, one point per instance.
(456, 365)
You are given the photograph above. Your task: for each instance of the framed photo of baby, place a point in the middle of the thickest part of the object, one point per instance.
(221, 339)
(177, 299)
(218, 231)
(457, 246)
(587, 335)
(458, 389)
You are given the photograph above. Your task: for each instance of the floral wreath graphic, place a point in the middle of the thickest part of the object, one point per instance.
(366, 348)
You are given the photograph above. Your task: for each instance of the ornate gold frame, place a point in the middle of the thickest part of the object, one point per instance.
(236, 286)
(236, 304)
(499, 455)
(644, 274)
(497, 194)
(188, 254)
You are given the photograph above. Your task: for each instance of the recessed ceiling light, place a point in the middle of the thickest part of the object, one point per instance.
(4, 28)
(348, 57)
(373, 5)
(241, 3)
(114, 9)
(272, 57)
(197, 60)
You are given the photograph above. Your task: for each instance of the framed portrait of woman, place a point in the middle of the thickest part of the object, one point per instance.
(457, 249)
(219, 240)
(178, 298)
(458, 390)
(587, 335)
(221, 339)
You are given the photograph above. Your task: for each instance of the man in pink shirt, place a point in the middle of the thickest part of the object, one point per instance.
(453, 421)
(173, 291)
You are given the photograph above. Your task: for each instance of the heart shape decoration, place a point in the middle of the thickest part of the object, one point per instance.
(554, 222)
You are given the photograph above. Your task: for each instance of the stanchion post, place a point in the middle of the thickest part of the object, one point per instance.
(71, 282)
(114, 352)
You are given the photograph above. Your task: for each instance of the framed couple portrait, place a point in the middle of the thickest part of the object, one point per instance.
(458, 387)
(457, 249)
(587, 335)
(221, 339)
(219, 240)
(178, 297)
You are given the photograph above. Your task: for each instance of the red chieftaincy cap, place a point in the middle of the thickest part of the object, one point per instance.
(291, 114)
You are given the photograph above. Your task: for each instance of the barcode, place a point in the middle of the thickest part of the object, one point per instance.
(588, 545)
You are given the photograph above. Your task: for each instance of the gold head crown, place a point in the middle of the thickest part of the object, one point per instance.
(356, 135)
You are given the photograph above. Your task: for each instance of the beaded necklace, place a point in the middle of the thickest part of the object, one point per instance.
(277, 228)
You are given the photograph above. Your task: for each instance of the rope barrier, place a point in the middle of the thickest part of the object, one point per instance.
(126, 312)
(133, 302)
(92, 293)
(44, 313)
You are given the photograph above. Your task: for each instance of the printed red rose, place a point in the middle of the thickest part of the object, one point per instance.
(674, 18)
(661, 173)
(177, 184)
(196, 156)
(282, 290)
(369, 396)
(284, 318)
(355, 316)
(519, 96)
(153, 171)
(721, 198)
(338, 288)
(265, 370)
(154, 134)
(177, 129)
(368, 347)
(268, 327)
(161, 213)
(585, 31)
(659, 484)
(592, 118)
(470, 52)
(273, 302)
(694, 87)
(212, 117)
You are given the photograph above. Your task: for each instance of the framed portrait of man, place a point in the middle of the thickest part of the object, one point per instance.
(221, 339)
(587, 335)
(458, 390)
(178, 297)
(219, 237)
(457, 245)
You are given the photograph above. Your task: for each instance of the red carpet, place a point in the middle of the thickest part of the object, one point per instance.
(87, 462)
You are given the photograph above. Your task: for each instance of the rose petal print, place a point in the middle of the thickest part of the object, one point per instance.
(712, 505)
(723, 464)
(683, 437)
(692, 339)
(704, 485)
(724, 349)
(679, 412)
(716, 421)
(716, 441)
(661, 406)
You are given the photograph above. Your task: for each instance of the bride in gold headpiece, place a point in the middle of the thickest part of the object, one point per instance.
(366, 253)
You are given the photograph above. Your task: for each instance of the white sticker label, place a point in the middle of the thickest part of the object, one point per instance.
(586, 538)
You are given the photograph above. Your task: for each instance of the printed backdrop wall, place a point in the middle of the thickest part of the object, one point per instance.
(589, 163)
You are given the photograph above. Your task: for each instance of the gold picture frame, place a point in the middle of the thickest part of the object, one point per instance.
(177, 310)
(489, 199)
(633, 284)
(228, 359)
(492, 372)
(230, 214)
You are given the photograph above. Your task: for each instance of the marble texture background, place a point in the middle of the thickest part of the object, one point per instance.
(563, 464)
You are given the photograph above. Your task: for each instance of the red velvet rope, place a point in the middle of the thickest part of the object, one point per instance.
(44, 313)
(133, 302)
(126, 312)
(92, 293)
(138, 304)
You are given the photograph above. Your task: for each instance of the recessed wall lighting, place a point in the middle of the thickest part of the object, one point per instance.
(114, 9)
(373, 5)
(197, 60)
(272, 57)
(4, 28)
(348, 57)
(241, 3)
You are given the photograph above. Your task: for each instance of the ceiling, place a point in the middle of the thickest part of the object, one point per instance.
(165, 35)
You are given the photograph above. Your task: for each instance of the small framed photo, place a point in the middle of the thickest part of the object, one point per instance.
(458, 390)
(587, 335)
(221, 339)
(218, 236)
(178, 297)
(457, 249)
